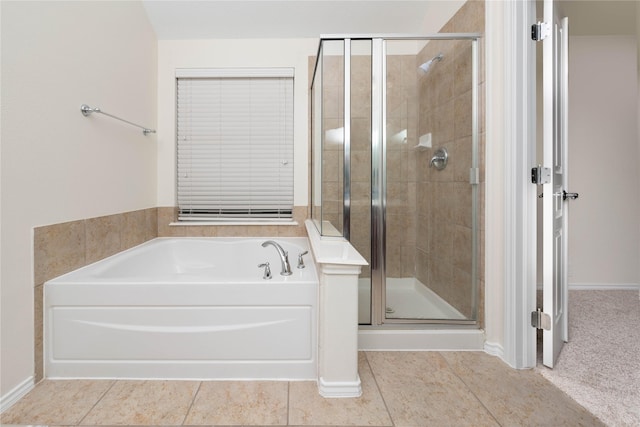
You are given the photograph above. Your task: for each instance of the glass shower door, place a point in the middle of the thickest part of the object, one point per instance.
(429, 198)
(360, 163)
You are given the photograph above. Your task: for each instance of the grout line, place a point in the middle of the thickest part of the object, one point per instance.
(193, 400)
(288, 402)
(375, 380)
(113, 382)
(468, 388)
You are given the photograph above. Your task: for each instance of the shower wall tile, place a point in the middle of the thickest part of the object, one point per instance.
(443, 198)
(461, 152)
(462, 112)
(462, 69)
(361, 134)
(470, 17)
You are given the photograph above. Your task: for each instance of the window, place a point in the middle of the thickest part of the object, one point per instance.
(235, 144)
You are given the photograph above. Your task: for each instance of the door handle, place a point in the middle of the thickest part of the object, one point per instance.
(571, 196)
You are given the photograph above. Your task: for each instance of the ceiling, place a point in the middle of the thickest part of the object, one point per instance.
(211, 19)
(189, 19)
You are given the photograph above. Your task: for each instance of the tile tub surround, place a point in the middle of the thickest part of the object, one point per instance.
(399, 389)
(61, 248)
(168, 215)
(64, 247)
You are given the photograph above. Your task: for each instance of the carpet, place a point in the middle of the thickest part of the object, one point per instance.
(600, 365)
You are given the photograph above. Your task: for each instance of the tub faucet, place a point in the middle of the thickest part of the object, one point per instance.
(284, 257)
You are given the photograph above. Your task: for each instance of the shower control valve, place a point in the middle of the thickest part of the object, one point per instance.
(300, 260)
(267, 270)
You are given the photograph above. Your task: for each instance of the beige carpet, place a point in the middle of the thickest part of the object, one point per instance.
(600, 365)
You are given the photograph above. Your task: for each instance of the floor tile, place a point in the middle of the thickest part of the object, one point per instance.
(144, 403)
(420, 389)
(307, 407)
(240, 403)
(516, 397)
(56, 402)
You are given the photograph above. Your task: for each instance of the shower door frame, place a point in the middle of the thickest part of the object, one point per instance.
(379, 163)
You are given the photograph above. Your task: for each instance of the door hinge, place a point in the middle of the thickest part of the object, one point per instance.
(540, 31)
(540, 175)
(540, 320)
(474, 176)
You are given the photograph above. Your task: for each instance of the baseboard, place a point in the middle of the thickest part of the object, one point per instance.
(604, 286)
(371, 339)
(600, 286)
(341, 389)
(494, 349)
(18, 392)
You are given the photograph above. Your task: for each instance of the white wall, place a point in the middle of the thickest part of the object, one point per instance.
(221, 53)
(56, 164)
(604, 167)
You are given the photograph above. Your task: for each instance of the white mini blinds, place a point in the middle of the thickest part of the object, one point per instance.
(235, 144)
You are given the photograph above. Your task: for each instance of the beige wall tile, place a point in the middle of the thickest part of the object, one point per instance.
(58, 249)
(139, 227)
(38, 342)
(103, 237)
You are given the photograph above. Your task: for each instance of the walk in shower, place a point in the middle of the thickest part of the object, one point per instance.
(396, 170)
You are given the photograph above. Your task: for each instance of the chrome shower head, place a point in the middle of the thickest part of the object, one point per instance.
(424, 68)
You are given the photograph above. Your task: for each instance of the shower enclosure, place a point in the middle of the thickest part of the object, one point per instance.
(396, 171)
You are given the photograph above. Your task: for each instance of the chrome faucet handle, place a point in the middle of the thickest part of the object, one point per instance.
(267, 270)
(286, 267)
(300, 260)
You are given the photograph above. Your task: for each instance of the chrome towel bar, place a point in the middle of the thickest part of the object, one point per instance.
(86, 111)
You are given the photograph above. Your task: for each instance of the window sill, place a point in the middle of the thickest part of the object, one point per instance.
(222, 223)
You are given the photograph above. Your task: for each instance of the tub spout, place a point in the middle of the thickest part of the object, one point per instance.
(284, 257)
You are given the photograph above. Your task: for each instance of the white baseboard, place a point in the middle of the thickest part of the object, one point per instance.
(604, 286)
(420, 339)
(600, 286)
(17, 393)
(494, 349)
(339, 389)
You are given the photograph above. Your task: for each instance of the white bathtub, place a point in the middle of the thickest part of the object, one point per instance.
(188, 308)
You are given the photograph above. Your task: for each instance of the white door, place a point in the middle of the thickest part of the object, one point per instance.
(555, 79)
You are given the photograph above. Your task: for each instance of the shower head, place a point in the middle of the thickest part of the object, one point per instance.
(424, 68)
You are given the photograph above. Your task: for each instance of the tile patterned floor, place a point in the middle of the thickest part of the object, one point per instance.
(399, 389)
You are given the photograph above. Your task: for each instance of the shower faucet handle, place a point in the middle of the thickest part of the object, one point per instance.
(300, 260)
(267, 270)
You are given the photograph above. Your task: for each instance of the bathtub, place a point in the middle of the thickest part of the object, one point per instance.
(185, 308)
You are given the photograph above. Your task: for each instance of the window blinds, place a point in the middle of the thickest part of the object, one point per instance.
(235, 144)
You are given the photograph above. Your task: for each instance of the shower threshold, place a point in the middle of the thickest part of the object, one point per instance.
(408, 298)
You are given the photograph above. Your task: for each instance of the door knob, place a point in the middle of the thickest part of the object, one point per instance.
(571, 196)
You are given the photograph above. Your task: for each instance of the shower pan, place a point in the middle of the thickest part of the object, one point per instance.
(396, 171)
